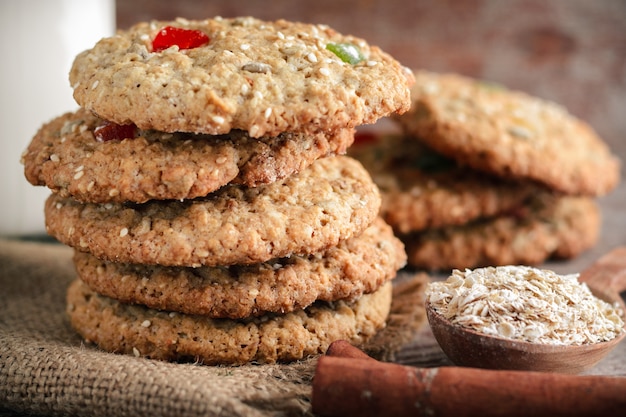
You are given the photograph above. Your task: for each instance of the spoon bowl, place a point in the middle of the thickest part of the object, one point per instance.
(606, 278)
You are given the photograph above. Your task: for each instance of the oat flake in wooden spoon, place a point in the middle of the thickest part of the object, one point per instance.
(469, 347)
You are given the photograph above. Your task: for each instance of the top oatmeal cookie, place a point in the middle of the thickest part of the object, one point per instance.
(510, 134)
(262, 77)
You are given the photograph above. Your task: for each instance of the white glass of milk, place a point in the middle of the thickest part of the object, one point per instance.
(39, 40)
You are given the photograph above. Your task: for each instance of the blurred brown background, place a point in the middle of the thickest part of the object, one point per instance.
(569, 51)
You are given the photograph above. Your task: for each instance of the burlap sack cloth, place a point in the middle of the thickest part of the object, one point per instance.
(46, 369)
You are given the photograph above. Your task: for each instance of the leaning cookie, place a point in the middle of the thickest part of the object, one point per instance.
(73, 158)
(330, 201)
(140, 331)
(357, 266)
(216, 75)
(561, 230)
(421, 189)
(510, 134)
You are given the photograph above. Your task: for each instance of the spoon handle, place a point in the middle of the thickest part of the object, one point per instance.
(607, 274)
(353, 386)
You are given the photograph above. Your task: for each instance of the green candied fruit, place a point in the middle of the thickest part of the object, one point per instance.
(347, 52)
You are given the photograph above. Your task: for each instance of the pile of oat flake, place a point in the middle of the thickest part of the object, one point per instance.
(526, 303)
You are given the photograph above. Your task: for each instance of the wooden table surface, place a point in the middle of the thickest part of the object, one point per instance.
(569, 51)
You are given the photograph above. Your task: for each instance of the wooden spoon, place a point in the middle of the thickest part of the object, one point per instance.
(606, 278)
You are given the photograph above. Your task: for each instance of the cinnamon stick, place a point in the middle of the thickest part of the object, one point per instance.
(344, 349)
(357, 386)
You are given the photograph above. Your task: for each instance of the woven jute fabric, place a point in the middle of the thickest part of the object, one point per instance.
(46, 368)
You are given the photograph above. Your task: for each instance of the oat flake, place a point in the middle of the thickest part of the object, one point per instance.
(525, 303)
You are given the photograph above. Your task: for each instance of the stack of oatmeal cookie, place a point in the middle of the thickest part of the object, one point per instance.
(202, 186)
(482, 175)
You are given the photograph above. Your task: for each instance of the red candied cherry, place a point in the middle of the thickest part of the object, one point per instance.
(183, 38)
(112, 131)
(363, 138)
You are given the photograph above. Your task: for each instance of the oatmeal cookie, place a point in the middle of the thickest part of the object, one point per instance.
(357, 266)
(559, 229)
(66, 157)
(330, 201)
(421, 189)
(263, 77)
(509, 134)
(162, 335)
